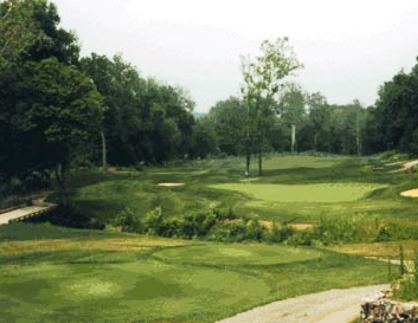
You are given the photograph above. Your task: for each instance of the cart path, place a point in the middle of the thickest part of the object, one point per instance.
(336, 305)
(25, 212)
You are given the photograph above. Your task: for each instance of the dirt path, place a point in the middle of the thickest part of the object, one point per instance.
(336, 305)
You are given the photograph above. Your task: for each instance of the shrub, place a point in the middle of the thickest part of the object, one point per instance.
(333, 229)
(255, 231)
(407, 289)
(129, 221)
(235, 231)
(154, 222)
(279, 234)
(395, 231)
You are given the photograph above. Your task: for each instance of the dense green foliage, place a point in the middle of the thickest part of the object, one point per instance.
(58, 112)
(393, 122)
(50, 110)
(145, 121)
(319, 126)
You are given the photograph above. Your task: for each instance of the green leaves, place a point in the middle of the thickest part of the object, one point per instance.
(263, 74)
(18, 29)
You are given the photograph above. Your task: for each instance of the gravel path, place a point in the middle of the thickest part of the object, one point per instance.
(333, 306)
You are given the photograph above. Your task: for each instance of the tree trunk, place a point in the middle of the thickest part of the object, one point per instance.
(104, 151)
(260, 163)
(358, 139)
(293, 139)
(61, 176)
(315, 142)
(247, 164)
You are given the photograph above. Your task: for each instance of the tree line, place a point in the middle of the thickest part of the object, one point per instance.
(59, 110)
(275, 115)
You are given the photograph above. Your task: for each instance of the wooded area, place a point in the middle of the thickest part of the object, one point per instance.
(60, 111)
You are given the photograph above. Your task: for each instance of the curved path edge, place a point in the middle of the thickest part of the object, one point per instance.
(335, 305)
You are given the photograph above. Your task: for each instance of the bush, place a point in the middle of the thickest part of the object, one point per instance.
(129, 221)
(229, 232)
(255, 231)
(343, 229)
(407, 288)
(394, 231)
(154, 222)
(279, 234)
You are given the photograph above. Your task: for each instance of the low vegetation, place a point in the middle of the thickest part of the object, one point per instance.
(338, 199)
(128, 277)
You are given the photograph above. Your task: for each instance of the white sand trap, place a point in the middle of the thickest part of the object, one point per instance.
(170, 184)
(410, 193)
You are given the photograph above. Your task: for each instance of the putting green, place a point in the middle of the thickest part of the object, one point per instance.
(321, 193)
(237, 254)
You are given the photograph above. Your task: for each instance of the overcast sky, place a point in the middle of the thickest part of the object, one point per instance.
(349, 48)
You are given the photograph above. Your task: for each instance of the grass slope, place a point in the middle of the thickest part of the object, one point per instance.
(129, 278)
(300, 188)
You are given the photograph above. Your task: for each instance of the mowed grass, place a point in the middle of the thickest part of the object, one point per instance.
(129, 278)
(317, 193)
(293, 188)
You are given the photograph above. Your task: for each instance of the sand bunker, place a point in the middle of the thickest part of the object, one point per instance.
(407, 167)
(410, 193)
(170, 184)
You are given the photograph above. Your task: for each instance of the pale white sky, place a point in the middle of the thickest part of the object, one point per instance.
(349, 48)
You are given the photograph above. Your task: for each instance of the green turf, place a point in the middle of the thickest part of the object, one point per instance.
(317, 193)
(165, 282)
(238, 254)
(298, 187)
(52, 274)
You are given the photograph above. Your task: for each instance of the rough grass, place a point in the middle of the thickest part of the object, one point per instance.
(385, 250)
(142, 279)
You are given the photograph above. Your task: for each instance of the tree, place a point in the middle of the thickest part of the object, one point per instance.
(292, 110)
(18, 29)
(51, 115)
(204, 139)
(29, 35)
(263, 80)
(54, 41)
(395, 117)
(227, 118)
(319, 116)
(144, 121)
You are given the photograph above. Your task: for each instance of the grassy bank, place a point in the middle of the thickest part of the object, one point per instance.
(88, 276)
(296, 189)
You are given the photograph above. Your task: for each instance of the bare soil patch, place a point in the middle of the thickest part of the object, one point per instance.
(170, 184)
(297, 226)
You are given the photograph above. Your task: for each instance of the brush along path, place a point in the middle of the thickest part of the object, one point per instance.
(336, 305)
